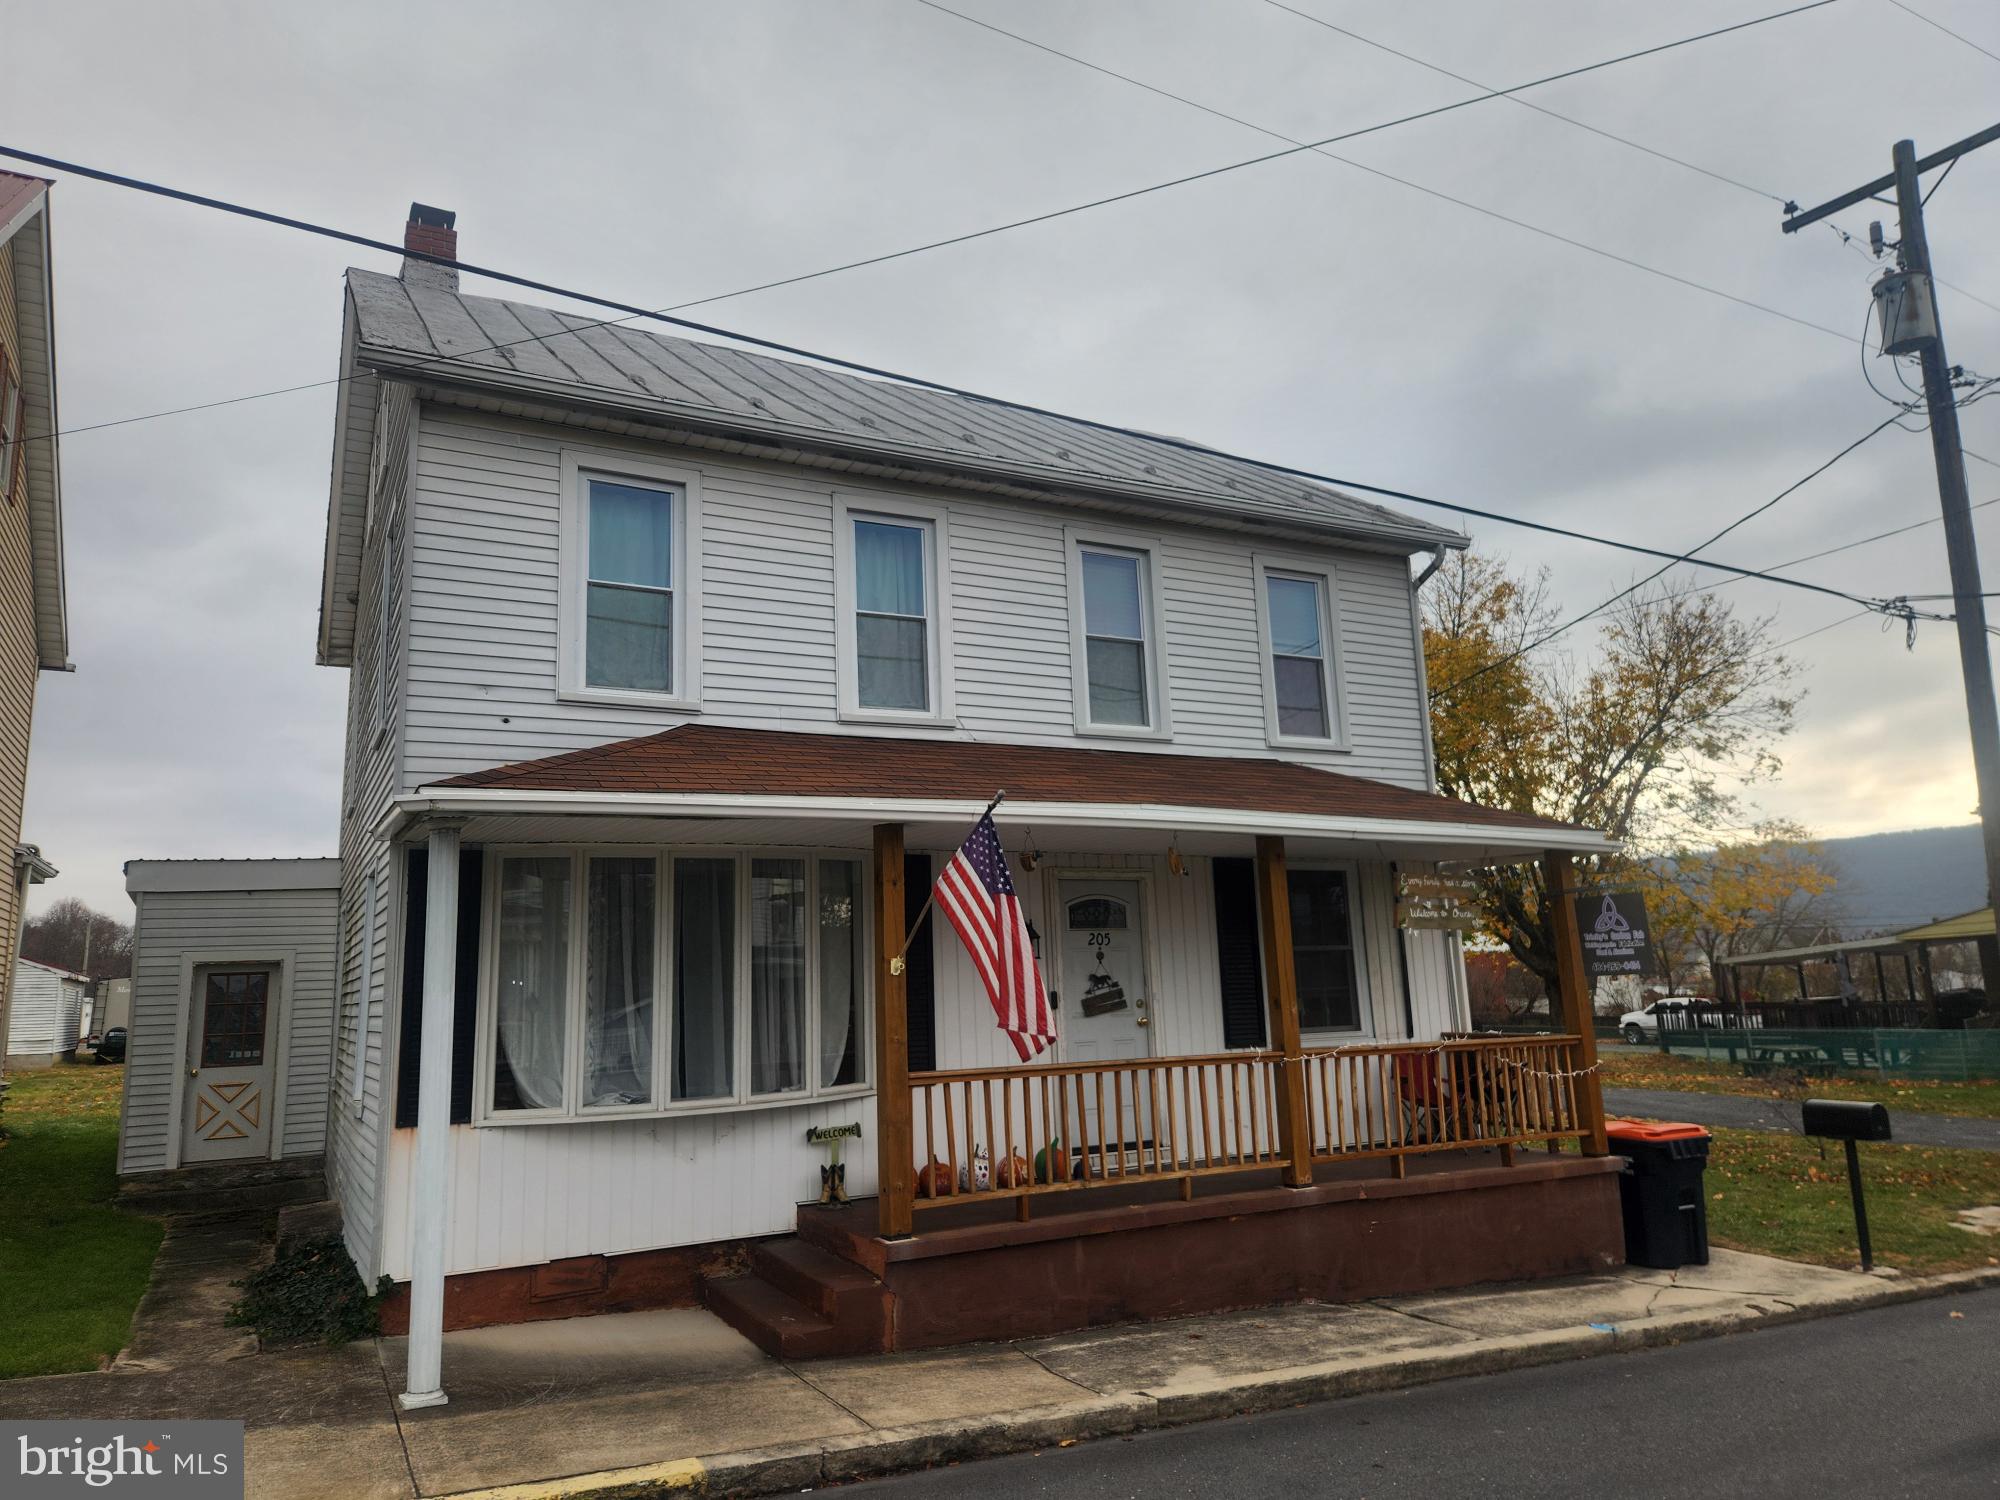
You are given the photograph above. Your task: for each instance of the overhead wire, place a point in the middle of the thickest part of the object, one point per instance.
(628, 311)
(1899, 607)
(1939, 25)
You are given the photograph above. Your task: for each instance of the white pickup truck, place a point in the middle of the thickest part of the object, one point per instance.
(1644, 1025)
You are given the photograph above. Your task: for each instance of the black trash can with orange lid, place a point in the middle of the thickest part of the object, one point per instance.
(1660, 1192)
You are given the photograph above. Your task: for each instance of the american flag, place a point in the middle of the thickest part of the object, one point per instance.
(976, 894)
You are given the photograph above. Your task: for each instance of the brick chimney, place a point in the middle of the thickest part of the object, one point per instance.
(431, 231)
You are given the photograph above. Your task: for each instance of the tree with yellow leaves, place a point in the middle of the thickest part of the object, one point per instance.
(1650, 739)
(1772, 891)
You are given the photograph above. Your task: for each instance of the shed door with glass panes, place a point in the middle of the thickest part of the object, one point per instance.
(231, 1064)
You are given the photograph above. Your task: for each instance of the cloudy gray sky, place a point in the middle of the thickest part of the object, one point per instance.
(1303, 310)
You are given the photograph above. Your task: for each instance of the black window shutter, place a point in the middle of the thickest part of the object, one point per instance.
(1237, 941)
(464, 1019)
(920, 973)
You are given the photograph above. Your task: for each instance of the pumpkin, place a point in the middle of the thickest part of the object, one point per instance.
(1011, 1173)
(935, 1181)
(1063, 1166)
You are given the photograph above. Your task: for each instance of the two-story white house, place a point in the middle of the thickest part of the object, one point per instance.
(678, 672)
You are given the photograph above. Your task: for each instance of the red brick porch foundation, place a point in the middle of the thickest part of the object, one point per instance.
(573, 1288)
(973, 1272)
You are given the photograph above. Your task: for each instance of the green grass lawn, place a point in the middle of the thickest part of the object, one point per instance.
(1779, 1195)
(1646, 1068)
(72, 1266)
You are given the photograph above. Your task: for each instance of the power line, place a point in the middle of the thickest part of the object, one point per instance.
(1183, 445)
(1360, 166)
(1910, 11)
(629, 311)
(1609, 135)
(1894, 606)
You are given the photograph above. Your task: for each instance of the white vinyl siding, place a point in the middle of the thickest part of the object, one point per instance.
(175, 928)
(482, 661)
(380, 668)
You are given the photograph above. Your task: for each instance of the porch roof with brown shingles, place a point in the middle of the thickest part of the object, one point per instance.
(706, 759)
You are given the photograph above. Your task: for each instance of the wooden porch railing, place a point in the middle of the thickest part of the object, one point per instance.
(1052, 1128)
(1398, 1099)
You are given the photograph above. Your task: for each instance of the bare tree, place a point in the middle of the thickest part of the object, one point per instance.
(69, 935)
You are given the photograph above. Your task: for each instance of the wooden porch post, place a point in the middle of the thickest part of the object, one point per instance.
(1559, 879)
(1274, 908)
(894, 1174)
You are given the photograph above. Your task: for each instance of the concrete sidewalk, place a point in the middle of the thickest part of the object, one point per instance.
(639, 1403)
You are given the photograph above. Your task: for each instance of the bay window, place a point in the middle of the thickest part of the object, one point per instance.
(736, 979)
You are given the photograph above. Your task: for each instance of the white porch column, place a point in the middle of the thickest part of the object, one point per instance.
(430, 1181)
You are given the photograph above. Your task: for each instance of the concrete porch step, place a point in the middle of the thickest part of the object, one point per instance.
(226, 1189)
(828, 1285)
(778, 1324)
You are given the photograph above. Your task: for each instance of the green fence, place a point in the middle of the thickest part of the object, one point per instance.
(1890, 1054)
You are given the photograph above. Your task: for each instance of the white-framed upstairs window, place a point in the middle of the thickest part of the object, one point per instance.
(892, 611)
(1118, 667)
(619, 981)
(1298, 636)
(630, 609)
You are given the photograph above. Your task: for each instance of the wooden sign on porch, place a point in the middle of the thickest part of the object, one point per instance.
(1437, 903)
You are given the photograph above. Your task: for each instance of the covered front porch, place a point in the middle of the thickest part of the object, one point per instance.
(1258, 1075)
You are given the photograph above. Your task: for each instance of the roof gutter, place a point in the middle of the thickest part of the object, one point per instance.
(433, 371)
(1479, 839)
(1436, 562)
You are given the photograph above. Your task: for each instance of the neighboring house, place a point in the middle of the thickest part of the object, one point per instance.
(229, 1046)
(47, 1018)
(34, 628)
(677, 675)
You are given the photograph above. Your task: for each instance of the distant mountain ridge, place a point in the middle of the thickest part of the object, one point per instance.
(1907, 878)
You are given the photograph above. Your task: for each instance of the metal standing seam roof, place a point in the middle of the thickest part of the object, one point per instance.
(448, 334)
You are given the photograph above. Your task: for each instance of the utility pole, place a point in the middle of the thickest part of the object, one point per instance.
(1960, 545)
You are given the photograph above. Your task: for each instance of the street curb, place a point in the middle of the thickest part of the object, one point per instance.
(882, 1451)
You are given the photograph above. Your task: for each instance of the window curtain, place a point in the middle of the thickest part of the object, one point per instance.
(777, 975)
(704, 1032)
(618, 984)
(890, 622)
(628, 635)
(839, 979)
(533, 983)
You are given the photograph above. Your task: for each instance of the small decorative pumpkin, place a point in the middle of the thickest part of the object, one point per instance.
(1062, 1160)
(934, 1181)
(976, 1176)
(1013, 1172)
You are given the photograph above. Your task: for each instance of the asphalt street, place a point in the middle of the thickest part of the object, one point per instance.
(1901, 1401)
(1742, 1112)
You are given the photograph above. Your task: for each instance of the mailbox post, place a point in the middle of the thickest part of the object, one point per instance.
(1849, 1121)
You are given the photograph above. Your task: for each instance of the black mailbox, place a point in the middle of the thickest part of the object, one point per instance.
(1846, 1120)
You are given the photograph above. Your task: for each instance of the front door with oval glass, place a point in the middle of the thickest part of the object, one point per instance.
(1105, 1008)
(230, 1068)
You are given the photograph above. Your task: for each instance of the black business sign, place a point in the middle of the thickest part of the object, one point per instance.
(1612, 925)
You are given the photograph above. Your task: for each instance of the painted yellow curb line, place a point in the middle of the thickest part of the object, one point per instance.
(677, 1474)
